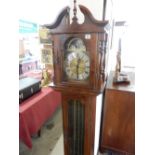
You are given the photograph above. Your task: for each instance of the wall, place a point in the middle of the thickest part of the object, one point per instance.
(46, 11)
(121, 11)
(42, 11)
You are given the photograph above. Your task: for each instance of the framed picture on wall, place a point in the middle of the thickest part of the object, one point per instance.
(46, 56)
(43, 35)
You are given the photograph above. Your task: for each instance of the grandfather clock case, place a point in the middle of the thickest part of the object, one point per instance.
(79, 56)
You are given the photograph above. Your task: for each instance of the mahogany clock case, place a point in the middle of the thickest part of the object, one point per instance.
(80, 76)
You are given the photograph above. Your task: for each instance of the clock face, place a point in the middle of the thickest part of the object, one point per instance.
(77, 62)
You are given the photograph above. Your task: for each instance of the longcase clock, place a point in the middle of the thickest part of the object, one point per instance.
(79, 56)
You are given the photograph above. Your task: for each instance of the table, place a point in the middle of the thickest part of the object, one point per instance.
(35, 111)
(118, 124)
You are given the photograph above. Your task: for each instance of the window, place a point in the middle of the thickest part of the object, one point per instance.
(118, 13)
(29, 50)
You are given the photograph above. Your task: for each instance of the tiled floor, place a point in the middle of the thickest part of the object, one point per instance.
(58, 149)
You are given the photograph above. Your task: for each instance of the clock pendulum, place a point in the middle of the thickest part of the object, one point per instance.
(79, 56)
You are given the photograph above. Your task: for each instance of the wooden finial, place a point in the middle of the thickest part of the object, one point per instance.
(74, 12)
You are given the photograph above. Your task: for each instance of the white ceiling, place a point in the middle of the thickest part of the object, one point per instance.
(42, 11)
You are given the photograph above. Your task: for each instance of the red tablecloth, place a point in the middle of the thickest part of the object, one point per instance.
(34, 111)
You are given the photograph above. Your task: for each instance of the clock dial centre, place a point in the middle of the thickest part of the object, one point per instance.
(77, 62)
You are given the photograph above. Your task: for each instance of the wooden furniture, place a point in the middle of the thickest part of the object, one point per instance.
(79, 52)
(34, 111)
(118, 124)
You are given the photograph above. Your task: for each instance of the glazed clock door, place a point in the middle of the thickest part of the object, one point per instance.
(77, 59)
(78, 124)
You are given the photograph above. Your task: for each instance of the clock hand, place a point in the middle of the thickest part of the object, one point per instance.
(78, 63)
(77, 66)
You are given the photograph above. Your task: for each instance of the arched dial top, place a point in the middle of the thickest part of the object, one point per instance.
(76, 60)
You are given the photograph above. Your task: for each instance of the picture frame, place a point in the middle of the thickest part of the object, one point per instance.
(46, 56)
(44, 36)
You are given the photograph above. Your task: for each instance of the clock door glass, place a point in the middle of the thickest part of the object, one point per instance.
(77, 61)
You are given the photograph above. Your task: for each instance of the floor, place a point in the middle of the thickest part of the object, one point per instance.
(50, 134)
(58, 149)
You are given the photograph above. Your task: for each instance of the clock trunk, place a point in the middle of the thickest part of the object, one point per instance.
(80, 116)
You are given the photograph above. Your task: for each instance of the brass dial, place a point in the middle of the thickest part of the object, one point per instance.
(77, 61)
(77, 66)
